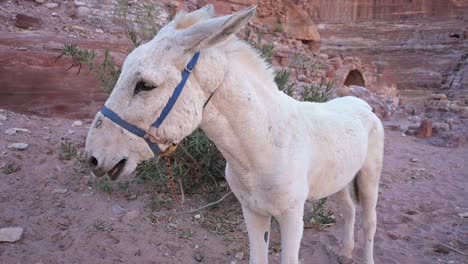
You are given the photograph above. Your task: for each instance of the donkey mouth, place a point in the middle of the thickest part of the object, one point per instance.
(117, 169)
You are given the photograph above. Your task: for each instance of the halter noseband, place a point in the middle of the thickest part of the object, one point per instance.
(170, 103)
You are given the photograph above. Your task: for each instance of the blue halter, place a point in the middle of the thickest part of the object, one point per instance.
(170, 103)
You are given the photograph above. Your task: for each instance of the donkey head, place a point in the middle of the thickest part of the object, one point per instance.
(149, 76)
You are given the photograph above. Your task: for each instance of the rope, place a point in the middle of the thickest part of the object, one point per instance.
(171, 181)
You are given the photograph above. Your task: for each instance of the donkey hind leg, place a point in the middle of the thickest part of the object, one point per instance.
(291, 228)
(258, 228)
(368, 185)
(349, 214)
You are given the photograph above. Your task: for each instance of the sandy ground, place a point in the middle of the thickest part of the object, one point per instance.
(423, 189)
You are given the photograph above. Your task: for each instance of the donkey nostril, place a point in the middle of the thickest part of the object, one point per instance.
(93, 162)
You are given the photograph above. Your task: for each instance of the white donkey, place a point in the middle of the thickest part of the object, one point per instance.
(279, 152)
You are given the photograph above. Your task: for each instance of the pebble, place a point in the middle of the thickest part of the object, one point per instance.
(98, 30)
(198, 257)
(51, 5)
(197, 216)
(132, 215)
(18, 146)
(88, 194)
(174, 4)
(59, 190)
(70, 131)
(14, 130)
(79, 3)
(39, 1)
(414, 160)
(82, 11)
(77, 123)
(239, 255)
(11, 234)
(118, 209)
(82, 30)
(463, 215)
(3, 118)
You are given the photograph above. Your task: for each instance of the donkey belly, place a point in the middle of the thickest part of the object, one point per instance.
(341, 156)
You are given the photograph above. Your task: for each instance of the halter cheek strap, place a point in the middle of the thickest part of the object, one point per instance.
(167, 108)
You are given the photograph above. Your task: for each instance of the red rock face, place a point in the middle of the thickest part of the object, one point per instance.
(365, 10)
(32, 81)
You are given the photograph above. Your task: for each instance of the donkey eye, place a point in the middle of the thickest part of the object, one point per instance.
(143, 86)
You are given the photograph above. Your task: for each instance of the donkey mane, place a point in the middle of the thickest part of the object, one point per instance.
(251, 59)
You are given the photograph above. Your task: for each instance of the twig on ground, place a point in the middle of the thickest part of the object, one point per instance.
(454, 249)
(208, 205)
(147, 219)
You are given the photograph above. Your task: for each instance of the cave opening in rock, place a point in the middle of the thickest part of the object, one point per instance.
(355, 78)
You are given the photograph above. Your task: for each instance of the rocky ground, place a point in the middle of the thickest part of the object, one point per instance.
(67, 218)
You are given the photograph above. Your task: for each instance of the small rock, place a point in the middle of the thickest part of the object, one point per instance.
(197, 216)
(239, 255)
(59, 190)
(439, 96)
(18, 146)
(425, 129)
(82, 11)
(131, 196)
(342, 91)
(118, 209)
(441, 127)
(393, 127)
(25, 21)
(54, 14)
(409, 109)
(14, 130)
(3, 118)
(174, 4)
(79, 3)
(463, 215)
(198, 257)
(39, 1)
(51, 5)
(11, 234)
(414, 160)
(70, 131)
(132, 215)
(233, 262)
(100, 31)
(82, 30)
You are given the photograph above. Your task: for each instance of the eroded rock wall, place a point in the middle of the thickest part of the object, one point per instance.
(365, 10)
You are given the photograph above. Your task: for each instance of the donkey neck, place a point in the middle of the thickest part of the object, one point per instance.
(248, 115)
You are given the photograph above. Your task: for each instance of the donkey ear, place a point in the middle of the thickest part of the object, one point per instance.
(204, 13)
(207, 10)
(213, 31)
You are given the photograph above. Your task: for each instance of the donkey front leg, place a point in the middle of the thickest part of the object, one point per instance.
(258, 228)
(291, 227)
